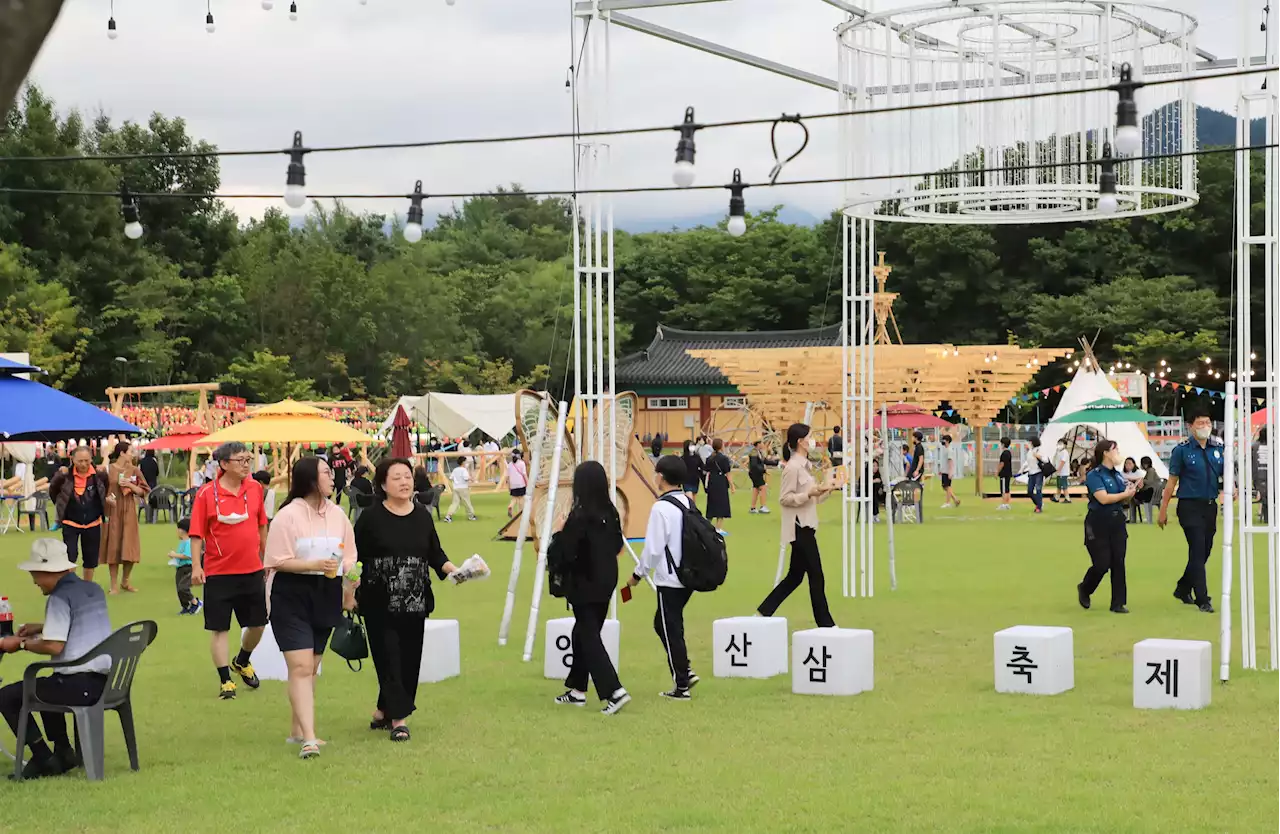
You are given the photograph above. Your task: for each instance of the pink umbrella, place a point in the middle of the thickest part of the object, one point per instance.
(903, 416)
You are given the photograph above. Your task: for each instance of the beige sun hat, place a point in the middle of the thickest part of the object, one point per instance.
(48, 556)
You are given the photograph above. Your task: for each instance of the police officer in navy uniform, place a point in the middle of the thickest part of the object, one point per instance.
(1195, 475)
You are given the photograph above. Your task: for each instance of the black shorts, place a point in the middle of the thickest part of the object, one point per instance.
(304, 610)
(946, 480)
(757, 481)
(692, 488)
(244, 594)
(518, 492)
(1006, 484)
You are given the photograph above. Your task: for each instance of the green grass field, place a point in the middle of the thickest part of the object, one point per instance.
(932, 748)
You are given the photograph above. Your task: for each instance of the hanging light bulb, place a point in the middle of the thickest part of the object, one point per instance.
(1191, 375)
(1161, 374)
(293, 11)
(955, 352)
(112, 33)
(208, 21)
(268, 5)
(1128, 135)
(737, 205)
(295, 192)
(1233, 374)
(129, 209)
(684, 173)
(1107, 183)
(413, 228)
(1253, 356)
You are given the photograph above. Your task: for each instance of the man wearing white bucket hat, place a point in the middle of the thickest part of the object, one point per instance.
(75, 621)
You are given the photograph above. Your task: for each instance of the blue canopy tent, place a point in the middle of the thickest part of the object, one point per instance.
(32, 411)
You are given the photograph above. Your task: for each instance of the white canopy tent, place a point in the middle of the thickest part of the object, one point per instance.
(456, 415)
(1089, 386)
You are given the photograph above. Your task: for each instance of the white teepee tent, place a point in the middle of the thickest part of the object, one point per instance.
(1089, 386)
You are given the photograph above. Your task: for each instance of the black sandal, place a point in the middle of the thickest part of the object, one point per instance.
(380, 724)
(400, 733)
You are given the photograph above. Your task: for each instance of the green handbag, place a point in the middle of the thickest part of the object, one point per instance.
(349, 641)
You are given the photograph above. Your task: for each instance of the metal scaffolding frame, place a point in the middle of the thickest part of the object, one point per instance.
(858, 310)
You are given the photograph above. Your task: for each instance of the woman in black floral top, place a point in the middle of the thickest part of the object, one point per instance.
(398, 548)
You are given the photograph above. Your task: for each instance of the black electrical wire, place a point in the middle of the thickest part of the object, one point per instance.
(653, 188)
(533, 137)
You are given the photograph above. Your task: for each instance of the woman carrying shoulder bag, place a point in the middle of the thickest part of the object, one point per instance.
(593, 533)
(310, 549)
(1105, 536)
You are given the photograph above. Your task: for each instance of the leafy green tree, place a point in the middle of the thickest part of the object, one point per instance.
(266, 377)
(39, 318)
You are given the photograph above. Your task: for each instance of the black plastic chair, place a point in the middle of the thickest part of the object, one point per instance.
(430, 498)
(163, 499)
(125, 648)
(40, 510)
(186, 500)
(907, 497)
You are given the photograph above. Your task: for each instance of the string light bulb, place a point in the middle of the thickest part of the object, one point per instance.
(413, 227)
(1128, 135)
(1191, 375)
(684, 173)
(1107, 182)
(293, 11)
(129, 210)
(1253, 356)
(209, 25)
(112, 32)
(737, 205)
(295, 191)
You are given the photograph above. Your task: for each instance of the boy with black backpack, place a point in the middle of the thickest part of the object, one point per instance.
(686, 554)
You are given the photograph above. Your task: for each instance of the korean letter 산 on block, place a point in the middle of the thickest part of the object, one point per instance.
(749, 647)
(1173, 674)
(1034, 660)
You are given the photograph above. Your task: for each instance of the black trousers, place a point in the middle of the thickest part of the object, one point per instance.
(668, 622)
(590, 660)
(1107, 540)
(182, 584)
(78, 690)
(1199, 521)
(395, 645)
(85, 539)
(805, 559)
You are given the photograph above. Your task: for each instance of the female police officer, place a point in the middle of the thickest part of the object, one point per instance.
(1105, 536)
(1195, 474)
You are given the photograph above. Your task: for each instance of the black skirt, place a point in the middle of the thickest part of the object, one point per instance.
(304, 610)
(718, 497)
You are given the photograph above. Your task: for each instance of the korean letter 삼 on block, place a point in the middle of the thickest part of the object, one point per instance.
(832, 661)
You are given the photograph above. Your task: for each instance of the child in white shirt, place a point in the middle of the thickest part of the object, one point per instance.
(461, 478)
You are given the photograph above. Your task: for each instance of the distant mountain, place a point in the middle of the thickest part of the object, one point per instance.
(1213, 127)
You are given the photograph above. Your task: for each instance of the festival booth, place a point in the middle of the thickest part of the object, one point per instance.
(1089, 389)
(458, 415)
(31, 412)
(285, 428)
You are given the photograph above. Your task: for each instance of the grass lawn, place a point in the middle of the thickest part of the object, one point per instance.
(932, 748)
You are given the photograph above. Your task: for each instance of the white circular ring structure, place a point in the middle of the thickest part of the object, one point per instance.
(1024, 161)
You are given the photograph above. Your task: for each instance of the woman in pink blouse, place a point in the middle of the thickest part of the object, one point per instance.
(517, 482)
(310, 549)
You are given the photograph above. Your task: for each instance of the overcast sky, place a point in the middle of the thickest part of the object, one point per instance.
(403, 70)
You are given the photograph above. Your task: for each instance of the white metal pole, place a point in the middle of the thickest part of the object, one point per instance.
(845, 324)
(1229, 429)
(782, 559)
(893, 568)
(544, 534)
(526, 511)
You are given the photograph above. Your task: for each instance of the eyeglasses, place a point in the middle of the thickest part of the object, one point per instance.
(243, 459)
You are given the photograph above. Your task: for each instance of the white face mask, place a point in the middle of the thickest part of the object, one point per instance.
(1202, 433)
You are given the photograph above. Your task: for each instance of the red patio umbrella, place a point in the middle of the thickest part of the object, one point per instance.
(1258, 418)
(179, 439)
(400, 445)
(903, 416)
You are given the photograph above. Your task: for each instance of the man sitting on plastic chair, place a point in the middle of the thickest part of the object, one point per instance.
(75, 621)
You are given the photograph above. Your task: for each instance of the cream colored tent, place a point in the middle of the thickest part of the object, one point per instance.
(456, 415)
(1086, 387)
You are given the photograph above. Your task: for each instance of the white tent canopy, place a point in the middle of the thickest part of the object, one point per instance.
(1090, 386)
(456, 415)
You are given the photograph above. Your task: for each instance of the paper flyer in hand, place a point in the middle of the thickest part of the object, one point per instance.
(473, 568)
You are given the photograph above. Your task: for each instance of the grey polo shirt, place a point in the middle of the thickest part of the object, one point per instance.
(76, 614)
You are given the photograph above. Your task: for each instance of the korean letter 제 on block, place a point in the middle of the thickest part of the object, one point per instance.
(1034, 660)
(749, 647)
(559, 647)
(832, 661)
(1172, 674)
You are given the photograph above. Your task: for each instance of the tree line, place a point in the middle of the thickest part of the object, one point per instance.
(334, 307)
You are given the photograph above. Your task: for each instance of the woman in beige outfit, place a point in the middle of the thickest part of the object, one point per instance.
(800, 496)
(120, 541)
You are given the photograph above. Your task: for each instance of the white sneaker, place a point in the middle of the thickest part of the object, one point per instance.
(945, 507)
(573, 699)
(620, 700)
(764, 510)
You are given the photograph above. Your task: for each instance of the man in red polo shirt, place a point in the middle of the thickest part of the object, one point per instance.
(229, 530)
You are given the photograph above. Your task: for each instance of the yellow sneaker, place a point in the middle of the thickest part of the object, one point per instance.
(227, 691)
(246, 674)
